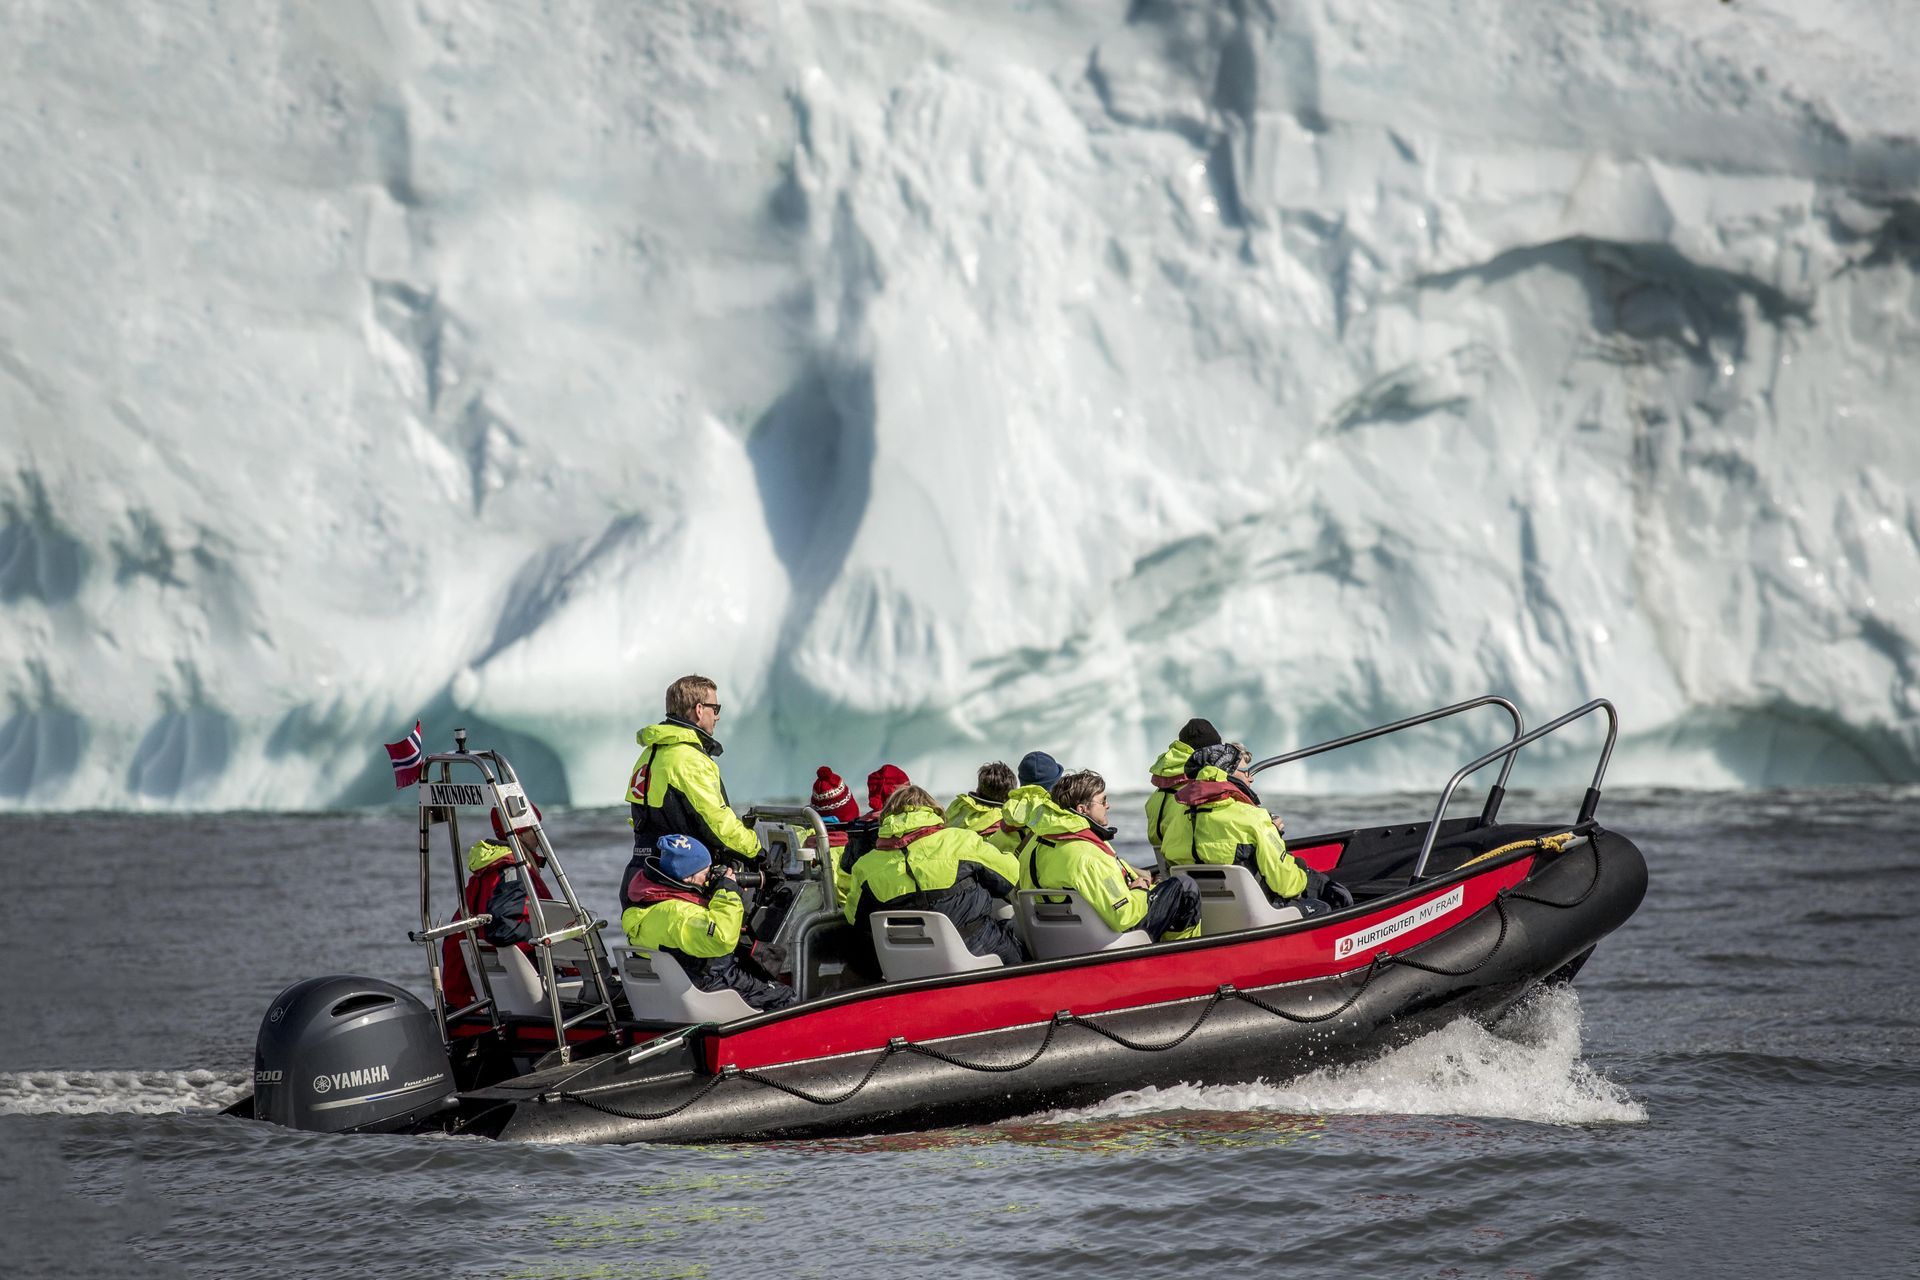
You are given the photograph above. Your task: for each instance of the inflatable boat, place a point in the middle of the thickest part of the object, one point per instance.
(589, 1041)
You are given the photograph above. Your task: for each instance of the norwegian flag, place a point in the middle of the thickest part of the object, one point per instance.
(409, 759)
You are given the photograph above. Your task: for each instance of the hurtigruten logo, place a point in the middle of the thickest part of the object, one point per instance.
(351, 1079)
(1392, 927)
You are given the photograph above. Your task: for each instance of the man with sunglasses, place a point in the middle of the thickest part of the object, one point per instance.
(675, 787)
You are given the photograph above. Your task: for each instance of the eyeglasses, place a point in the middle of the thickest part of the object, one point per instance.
(712, 706)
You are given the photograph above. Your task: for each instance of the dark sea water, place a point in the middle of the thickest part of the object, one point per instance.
(1730, 1089)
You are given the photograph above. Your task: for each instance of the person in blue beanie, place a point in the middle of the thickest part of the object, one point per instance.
(1037, 773)
(678, 902)
(1038, 769)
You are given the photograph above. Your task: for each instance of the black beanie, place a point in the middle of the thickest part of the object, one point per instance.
(1198, 733)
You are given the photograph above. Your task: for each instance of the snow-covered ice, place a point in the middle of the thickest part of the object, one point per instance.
(950, 379)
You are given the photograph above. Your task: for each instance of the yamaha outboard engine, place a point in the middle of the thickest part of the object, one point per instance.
(349, 1055)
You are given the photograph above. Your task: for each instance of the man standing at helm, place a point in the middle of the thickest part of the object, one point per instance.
(675, 787)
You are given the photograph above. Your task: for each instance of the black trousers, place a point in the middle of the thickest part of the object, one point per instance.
(1172, 905)
(995, 938)
(726, 973)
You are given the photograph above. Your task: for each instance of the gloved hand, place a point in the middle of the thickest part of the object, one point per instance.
(724, 878)
(1338, 894)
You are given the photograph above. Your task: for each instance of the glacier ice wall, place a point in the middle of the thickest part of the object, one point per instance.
(948, 380)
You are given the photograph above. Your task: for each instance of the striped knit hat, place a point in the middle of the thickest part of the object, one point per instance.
(831, 799)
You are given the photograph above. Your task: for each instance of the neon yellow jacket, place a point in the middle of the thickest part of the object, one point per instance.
(1168, 775)
(1210, 821)
(683, 792)
(1066, 854)
(1023, 807)
(915, 853)
(988, 821)
(483, 854)
(803, 839)
(706, 931)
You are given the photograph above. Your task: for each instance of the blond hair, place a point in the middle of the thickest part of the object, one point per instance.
(909, 796)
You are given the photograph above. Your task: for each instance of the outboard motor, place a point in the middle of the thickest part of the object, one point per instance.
(349, 1055)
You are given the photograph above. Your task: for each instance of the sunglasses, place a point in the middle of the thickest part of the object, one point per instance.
(712, 706)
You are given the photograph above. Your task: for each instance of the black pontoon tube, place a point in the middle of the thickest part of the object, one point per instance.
(1494, 796)
(1588, 804)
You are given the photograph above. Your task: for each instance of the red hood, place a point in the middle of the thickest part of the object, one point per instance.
(901, 839)
(647, 891)
(1206, 791)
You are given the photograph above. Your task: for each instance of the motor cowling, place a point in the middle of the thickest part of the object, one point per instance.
(349, 1055)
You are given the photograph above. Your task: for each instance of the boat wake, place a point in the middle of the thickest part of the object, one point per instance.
(139, 1093)
(1530, 1070)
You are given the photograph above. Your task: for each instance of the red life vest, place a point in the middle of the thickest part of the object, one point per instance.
(644, 891)
(906, 838)
(455, 982)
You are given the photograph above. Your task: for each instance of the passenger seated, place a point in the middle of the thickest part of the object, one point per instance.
(1168, 774)
(919, 864)
(677, 902)
(497, 886)
(1216, 818)
(834, 802)
(865, 829)
(983, 810)
(1071, 850)
(1037, 773)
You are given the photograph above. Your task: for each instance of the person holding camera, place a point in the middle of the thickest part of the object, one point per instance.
(676, 900)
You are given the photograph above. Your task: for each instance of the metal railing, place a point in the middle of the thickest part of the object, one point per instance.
(531, 848)
(1494, 796)
(1588, 804)
(797, 928)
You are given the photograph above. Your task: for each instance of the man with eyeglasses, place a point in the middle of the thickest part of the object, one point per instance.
(675, 786)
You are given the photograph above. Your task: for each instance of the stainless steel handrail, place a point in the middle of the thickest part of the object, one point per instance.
(803, 929)
(1494, 796)
(448, 930)
(1588, 804)
(530, 848)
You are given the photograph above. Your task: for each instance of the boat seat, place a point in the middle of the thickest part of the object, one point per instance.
(1231, 899)
(515, 981)
(1067, 926)
(573, 953)
(659, 990)
(922, 944)
(515, 976)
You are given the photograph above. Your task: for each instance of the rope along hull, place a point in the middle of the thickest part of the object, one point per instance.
(981, 1047)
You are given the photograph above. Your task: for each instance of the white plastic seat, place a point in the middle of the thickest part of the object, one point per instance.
(1231, 898)
(1067, 926)
(922, 944)
(573, 953)
(659, 990)
(515, 982)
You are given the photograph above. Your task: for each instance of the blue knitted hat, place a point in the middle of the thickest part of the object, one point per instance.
(1037, 768)
(681, 856)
